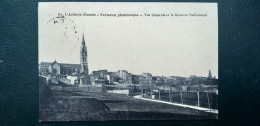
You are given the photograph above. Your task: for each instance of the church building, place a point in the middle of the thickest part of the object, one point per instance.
(56, 68)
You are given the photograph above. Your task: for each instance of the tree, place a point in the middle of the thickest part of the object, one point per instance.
(208, 98)
(162, 83)
(159, 91)
(198, 89)
(198, 94)
(148, 86)
(170, 99)
(180, 90)
(170, 83)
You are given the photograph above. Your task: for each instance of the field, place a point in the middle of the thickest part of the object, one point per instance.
(89, 106)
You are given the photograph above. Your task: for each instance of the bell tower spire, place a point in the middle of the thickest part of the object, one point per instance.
(83, 40)
(83, 57)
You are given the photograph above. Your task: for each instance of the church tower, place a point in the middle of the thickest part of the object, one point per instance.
(83, 57)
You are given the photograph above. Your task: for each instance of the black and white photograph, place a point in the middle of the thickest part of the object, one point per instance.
(108, 61)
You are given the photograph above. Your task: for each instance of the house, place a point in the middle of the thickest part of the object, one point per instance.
(123, 76)
(98, 74)
(73, 79)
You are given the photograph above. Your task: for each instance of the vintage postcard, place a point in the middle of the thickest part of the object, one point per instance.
(103, 61)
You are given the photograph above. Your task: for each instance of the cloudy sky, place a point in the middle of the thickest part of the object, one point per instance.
(173, 45)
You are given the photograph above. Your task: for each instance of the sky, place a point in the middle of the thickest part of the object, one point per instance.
(162, 46)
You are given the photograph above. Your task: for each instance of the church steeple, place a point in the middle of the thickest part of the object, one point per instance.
(83, 57)
(83, 40)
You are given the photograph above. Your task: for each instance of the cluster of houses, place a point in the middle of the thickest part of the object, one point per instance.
(70, 74)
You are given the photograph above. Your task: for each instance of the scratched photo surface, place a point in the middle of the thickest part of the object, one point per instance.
(127, 61)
